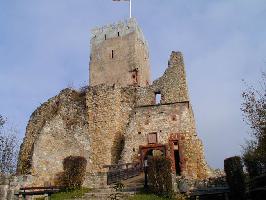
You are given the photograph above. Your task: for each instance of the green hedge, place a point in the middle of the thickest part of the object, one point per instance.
(159, 176)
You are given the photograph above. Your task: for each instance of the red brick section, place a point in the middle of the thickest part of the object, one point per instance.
(177, 137)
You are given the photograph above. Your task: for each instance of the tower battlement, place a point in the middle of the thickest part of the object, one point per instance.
(119, 29)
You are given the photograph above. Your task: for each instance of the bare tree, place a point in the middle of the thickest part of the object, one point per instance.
(254, 112)
(254, 107)
(2, 121)
(8, 148)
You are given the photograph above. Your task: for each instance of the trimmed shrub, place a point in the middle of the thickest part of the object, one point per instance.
(235, 177)
(74, 171)
(159, 176)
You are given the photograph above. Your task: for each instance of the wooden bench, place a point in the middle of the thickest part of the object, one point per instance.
(32, 191)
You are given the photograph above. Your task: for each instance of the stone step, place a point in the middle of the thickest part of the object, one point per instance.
(135, 188)
(103, 190)
(132, 186)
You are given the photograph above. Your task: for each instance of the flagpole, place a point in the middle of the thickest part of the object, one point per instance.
(129, 8)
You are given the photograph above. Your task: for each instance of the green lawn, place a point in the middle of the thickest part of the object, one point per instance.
(70, 194)
(79, 193)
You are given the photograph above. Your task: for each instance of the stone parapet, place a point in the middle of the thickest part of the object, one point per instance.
(110, 31)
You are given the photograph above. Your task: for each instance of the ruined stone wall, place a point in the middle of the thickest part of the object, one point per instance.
(106, 121)
(119, 55)
(170, 122)
(162, 119)
(109, 110)
(57, 129)
(10, 185)
(172, 119)
(172, 85)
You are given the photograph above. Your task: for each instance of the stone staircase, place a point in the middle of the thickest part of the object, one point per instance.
(136, 182)
(131, 187)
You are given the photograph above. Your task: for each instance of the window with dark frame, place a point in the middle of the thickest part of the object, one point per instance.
(152, 138)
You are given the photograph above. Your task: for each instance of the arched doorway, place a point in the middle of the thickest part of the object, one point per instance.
(150, 150)
(153, 152)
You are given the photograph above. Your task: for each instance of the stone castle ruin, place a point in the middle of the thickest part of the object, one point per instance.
(121, 117)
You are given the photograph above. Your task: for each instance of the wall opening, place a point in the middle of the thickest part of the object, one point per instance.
(118, 34)
(158, 97)
(135, 76)
(112, 54)
(151, 150)
(105, 37)
(177, 158)
(177, 163)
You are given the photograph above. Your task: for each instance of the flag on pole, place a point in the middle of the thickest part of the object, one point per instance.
(129, 6)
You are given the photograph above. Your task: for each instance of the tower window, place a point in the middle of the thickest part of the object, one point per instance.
(158, 97)
(105, 36)
(118, 34)
(174, 118)
(135, 76)
(112, 54)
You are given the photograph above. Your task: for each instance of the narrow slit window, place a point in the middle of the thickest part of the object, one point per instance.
(118, 34)
(158, 97)
(105, 37)
(112, 53)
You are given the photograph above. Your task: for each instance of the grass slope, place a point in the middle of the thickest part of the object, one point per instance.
(70, 194)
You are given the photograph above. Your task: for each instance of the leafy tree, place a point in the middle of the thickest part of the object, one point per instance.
(8, 148)
(254, 112)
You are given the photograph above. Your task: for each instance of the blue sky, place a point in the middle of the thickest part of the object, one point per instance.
(44, 47)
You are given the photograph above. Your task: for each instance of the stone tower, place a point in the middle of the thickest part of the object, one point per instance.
(119, 55)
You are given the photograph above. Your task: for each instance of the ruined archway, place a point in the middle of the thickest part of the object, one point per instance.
(149, 150)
